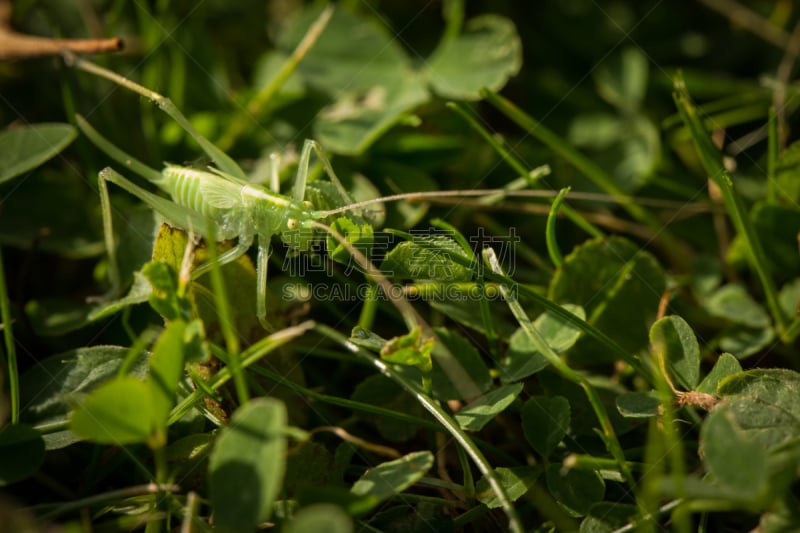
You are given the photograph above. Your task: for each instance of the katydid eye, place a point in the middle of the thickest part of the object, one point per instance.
(291, 223)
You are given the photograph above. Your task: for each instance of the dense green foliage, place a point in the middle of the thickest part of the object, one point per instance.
(606, 341)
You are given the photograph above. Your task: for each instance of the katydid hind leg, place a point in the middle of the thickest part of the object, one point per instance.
(175, 214)
(326, 164)
(223, 160)
(261, 283)
(228, 256)
(168, 209)
(108, 236)
(299, 190)
(115, 153)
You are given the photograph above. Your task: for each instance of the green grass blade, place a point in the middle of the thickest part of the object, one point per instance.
(248, 357)
(115, 153)
(225, 321)
(449, 424)
(550, 229)
(591, 170)
(247, 115)
(609, 435)
(553, 308)
(222, 160)
(528, 176)
(11, 351)
(712, 163)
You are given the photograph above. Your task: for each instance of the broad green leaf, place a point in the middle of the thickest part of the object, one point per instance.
(364, 70)
(486, 54)
(319, 517)
(515, 480)
(583, 421)
(627, 146)
(575, 490)
(638, 404)
(726, 365)
(481, 411)
(21, 453)
(409, 350)
(359, 117)
(674, 342)
(118, 412)
(166, 368)
(393, 477)
(789, 297)
(360, 236)
(460, 356)
(744, 342)
(164, 298)
(352, 52)
(428, 257)
(522, 359)
(545, 422)
(247, 464)
(733, 303)
(596, 131)
(619, 285)
(139, 292)
(607, 517)
(736, 460)
(367, 339)
(47, 387)
(622, 79)
(51, 318)
(765, 404)
(26, 147)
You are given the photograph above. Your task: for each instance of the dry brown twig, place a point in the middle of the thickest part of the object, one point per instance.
(14, 45)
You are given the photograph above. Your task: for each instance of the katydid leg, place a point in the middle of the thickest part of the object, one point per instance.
(228, 256)
(261, 282)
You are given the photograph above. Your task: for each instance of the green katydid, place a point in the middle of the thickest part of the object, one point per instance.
(236, 208)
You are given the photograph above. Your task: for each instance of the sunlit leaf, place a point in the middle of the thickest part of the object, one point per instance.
(516, 481)
(619, 285)
(247, 464)
(480, 412)
(393, 477)
(486, 54)
(734, 458)
(118, 412)
(638, 404)
(522, 359)
(674, 342)
(26, 147)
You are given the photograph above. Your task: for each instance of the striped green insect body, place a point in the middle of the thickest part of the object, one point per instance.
(217, 201)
